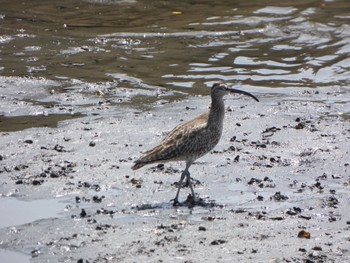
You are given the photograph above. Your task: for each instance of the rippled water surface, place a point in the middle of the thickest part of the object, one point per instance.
(133, 52)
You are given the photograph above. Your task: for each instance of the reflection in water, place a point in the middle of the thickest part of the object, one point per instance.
(179, 46)
(16, 123)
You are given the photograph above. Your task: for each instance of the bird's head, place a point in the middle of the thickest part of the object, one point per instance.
(220, 90)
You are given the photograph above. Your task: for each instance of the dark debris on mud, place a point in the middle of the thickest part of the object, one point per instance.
(283, 196)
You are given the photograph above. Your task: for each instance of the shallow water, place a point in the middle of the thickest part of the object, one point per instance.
(19, 212)
(13, 257)
(16, 212)
(141, 53)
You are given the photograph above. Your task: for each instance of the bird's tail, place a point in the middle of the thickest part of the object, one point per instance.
(137, 165)
(154, 155)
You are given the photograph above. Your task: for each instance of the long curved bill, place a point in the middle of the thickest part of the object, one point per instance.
(241, 92)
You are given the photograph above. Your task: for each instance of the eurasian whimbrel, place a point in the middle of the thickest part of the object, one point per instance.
(193, 139)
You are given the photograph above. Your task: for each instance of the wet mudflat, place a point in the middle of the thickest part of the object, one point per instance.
(275, 189)
(86, 87)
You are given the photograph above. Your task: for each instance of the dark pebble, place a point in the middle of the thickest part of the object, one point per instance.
(35, 253)
(254, 180)
(20, 167)
(291, 213)
(279, 197)
(231, 148)
(37, 182)
(28, 141)
(202, 228)
(97, 199)
(218, 242)
(160, 166)
(59, 148)
(54, 175)
(277, 218)
(83, 213)
(92, 144)
(332, 219)
(300, 126)
(91, 221)
(305, 217)
(304, 234)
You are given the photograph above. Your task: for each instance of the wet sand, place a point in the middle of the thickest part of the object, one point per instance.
(275, 189)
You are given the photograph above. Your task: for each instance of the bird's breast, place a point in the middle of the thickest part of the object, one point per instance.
(202, 143)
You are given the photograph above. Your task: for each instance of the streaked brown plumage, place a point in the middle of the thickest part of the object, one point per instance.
(193, 139)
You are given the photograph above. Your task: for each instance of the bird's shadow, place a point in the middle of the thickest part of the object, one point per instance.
(190, 203)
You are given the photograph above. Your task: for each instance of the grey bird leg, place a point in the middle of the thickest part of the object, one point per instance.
(184, 174)
(189, 183)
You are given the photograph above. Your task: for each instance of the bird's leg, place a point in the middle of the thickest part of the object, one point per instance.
(184, 174)
(176, 199)
(188, 178)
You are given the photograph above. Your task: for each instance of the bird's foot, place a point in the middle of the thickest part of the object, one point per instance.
(176, 202)
(191, 201)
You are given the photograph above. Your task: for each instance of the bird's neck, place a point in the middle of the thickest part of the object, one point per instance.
(217, 112)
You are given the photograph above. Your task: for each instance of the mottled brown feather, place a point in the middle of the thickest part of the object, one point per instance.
(188, 140)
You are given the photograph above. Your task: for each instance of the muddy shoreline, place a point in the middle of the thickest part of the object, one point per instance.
(275, 189)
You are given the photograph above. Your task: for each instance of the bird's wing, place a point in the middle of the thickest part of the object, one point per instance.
(179, 142)
(184, 130)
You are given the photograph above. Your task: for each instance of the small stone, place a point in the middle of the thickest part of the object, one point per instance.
(202, 228)
(83, 213)
(300, 126)
(37, 182)
(218, 242)
(304, 234)
(54, 175)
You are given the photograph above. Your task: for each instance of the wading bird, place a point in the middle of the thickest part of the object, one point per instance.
(193, 139)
